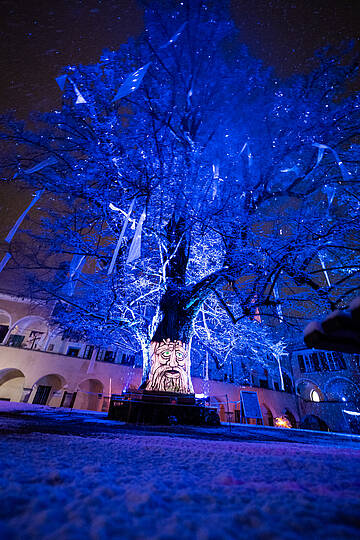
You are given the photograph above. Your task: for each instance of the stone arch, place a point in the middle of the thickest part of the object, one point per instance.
(268, 416)
(89, 395)
(217, 402)
(305, 388)
(314, 422)
(222, 412)
(342, 389)
(29, 332)
(48, 390)
(11, 384)
(5, 324)
(290, 416)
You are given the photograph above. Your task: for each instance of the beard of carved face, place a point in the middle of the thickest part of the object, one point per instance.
(167, 379)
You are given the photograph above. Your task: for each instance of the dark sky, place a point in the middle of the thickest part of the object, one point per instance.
(38, 37)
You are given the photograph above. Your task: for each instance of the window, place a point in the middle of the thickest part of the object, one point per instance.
(3, 331)
(330, 361)
(103, 355)
(109, 356)
(73, 351)
(15, 340)
(308, 364)
(42, 395)
(100, 355)
(128, 359)
(89, 349)
(339, 360)
(336, 361)
(33, 339)
(315, 361)
(321, 361)
(301, 363)
(315, 396)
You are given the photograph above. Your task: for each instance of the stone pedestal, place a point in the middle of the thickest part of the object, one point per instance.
(161, 408)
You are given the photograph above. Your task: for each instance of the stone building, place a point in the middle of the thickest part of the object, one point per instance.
(327, 383)
(41, 365)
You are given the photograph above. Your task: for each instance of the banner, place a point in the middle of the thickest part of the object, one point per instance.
(23, 215)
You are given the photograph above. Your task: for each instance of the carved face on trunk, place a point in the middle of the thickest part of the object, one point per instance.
(170, 367)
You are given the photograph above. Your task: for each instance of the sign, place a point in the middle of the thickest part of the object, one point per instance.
(250, 404)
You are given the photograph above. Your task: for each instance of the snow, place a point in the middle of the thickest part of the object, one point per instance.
(77, 475)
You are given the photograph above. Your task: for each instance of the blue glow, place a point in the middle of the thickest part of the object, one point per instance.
(241, 189)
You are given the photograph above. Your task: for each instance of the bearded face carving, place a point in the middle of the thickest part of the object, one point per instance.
(170, 368)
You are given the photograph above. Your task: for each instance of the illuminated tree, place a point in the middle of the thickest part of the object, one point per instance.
(242, 189)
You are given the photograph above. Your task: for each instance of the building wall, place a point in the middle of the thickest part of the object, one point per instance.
(89, 384)
(41, 370)
(29, 368)
(339, 382)
(337, 388)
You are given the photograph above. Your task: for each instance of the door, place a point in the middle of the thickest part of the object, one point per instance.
(42, 395)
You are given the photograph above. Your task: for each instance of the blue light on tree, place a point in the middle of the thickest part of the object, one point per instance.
(223, 172)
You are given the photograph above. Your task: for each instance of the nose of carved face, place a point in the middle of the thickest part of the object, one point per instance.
(173, 362)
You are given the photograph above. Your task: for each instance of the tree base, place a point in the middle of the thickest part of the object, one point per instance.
(161, 408)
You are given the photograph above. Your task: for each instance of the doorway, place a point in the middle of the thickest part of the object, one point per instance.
(42, 395)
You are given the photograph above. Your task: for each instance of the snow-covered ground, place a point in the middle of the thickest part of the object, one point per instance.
(138, 484)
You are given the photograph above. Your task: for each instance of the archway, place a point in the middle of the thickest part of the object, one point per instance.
(222, 413)
(314, 423)
(11, 384)
(216, 402)
(30, 332)
(309, 391)
(342, 389)
(267, 415)
(89, 395)
(47, 390)
(289, 415)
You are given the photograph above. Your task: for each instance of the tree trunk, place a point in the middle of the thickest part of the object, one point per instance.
(169, 366)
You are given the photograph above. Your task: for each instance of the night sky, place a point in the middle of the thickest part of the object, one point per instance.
(39, 37)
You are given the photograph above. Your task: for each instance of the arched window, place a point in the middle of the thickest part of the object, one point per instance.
(314, 395)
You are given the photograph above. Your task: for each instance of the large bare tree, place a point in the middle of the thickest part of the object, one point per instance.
(188, 191)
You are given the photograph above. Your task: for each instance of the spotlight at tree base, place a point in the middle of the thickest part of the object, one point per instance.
(166, 396)
(283, 422)
(162, 408)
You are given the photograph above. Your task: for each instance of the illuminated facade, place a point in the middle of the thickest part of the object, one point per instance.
(41, 365)
(328, 383)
